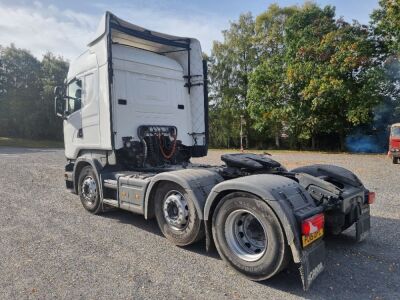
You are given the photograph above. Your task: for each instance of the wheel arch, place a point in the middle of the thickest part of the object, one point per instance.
(317, 170)
(196, 182)
(82, 162)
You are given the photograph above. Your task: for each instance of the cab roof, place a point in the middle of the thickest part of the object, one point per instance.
(123, 32)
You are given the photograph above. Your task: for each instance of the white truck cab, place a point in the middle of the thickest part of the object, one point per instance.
(135, 112)
(131, 77)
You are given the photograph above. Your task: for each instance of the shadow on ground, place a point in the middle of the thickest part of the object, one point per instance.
(369, 269)
(151, 226)
(138, 221)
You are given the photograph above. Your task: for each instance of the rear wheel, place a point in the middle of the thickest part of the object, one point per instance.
(395, 160)
(88, 190)
(249, 237)
(176, 215)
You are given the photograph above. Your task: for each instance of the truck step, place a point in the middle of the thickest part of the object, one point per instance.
(110, 183)
(111, 202)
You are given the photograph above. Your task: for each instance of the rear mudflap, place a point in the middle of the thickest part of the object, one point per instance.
(312, 263)
(363, 224)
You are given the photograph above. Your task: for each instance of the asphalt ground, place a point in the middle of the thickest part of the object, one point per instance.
(50, 247)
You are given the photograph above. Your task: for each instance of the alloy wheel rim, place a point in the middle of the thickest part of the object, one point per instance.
(176, 210)
(246, 235)
(89, 190)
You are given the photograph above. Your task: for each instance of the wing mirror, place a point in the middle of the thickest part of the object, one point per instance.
(59, 106)
(57, 91)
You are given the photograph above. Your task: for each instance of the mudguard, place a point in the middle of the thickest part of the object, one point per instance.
(339, 173)
(85, 159)
(353, 195)
(197, 183)
(291, 203)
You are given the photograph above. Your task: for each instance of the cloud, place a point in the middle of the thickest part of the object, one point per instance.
(40, 28)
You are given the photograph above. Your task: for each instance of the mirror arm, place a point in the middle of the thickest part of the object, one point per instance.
(70, 98)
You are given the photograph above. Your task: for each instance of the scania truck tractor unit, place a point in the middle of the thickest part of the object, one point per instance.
(135, 111)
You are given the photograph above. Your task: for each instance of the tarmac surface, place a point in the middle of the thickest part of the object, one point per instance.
(50, 247)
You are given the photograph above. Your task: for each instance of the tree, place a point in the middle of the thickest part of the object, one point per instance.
(53, 73)
(305, 31)
(231, 62)
(385, 23)
(317, 75)
(330, 67)
(26, 94)
(19, 101)
(268, 91)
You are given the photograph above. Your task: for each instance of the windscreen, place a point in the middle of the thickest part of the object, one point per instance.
(395, 131)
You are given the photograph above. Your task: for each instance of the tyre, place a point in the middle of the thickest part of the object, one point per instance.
(88, 190)
(395, 160)
(249, 237)
(176, 215)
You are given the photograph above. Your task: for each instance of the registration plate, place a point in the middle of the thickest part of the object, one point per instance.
(308, 239)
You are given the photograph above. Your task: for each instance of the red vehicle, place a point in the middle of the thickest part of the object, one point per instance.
(394, 143)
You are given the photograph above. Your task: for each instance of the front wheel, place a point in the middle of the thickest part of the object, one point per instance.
(249, 237)
(395, 160)
(88, 190)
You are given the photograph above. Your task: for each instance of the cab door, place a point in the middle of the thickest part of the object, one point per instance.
(90, 112)
(81, 127)
(73, 133)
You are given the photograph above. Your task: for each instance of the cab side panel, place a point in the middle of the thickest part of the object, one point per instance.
(148, 90)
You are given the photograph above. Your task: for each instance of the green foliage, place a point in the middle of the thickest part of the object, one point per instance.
(269, 93)
(386, 28)
(54, 71)
(386, 23)
(26, 94)
(330, 67)
(229, 67)
(311, 75)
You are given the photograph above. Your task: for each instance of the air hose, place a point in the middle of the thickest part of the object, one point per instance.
(167, 156)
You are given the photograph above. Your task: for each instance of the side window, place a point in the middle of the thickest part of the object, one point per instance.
(74, 95)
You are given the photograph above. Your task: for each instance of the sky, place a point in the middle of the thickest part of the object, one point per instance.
(65, 27)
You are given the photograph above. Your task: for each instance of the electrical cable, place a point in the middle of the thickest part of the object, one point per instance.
(168, 156)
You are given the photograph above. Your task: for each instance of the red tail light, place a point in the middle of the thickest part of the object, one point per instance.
(312, 224)
(371, 197)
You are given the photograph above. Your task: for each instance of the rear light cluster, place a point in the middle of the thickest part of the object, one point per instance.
(313, 224)
(371, 197)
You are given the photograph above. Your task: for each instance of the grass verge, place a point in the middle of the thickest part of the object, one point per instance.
(26, 143)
